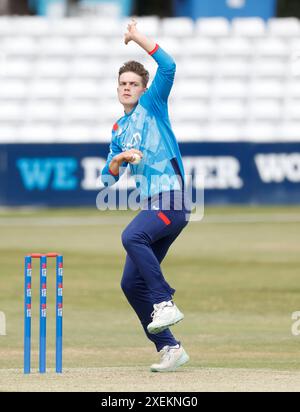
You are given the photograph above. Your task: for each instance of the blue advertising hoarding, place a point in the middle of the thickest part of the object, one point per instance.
(225, 8)
(68, 174)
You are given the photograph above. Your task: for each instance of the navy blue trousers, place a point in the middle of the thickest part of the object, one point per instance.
(147, 239)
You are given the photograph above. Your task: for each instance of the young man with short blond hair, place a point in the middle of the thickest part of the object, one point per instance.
(143, 138)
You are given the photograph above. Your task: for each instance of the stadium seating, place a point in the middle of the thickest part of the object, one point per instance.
(177, 27)
(213, 27)
(250, 27)
(236, 80)
(289, 27)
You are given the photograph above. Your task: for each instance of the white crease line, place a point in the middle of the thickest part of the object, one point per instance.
(252, 218)
(63, 221)
(117, 220)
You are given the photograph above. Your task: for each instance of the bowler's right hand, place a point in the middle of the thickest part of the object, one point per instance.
(128, 155)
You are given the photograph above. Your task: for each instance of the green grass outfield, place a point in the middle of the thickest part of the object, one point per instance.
(236, 273)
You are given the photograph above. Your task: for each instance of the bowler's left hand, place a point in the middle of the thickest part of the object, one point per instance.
(132, 30)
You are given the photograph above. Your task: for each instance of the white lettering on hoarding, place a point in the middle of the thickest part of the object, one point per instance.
(219, 172)
(277, 167)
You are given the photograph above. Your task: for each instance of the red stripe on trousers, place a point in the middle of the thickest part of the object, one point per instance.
(164, 218)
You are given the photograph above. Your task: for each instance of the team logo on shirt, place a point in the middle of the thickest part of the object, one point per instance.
(134, 142)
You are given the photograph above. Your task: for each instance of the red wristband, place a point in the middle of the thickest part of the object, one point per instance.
(112, 173)
(154, 50)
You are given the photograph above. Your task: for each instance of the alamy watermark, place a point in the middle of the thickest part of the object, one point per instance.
(295, 63)
(2, 63)
(296, 325)
(168, 194)
(2, 324)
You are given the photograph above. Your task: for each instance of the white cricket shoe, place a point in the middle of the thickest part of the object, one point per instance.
(171, 358)
(165, 314)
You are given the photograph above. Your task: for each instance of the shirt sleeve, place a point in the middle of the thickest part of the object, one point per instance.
(157, 95)
(107, 176)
